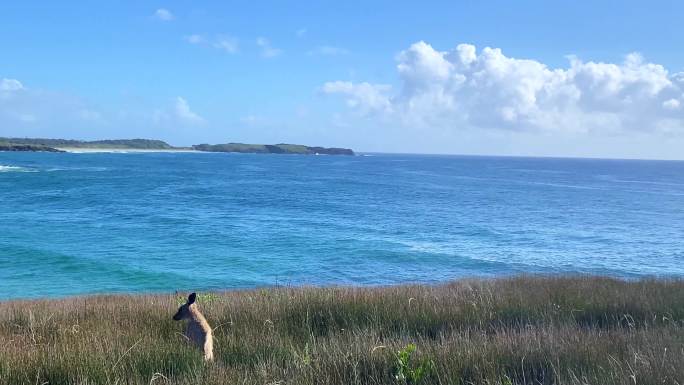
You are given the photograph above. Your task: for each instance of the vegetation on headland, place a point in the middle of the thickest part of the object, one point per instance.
(523, 330)
(272, 149)
(6, 146)
(54, 145)
(138, 144)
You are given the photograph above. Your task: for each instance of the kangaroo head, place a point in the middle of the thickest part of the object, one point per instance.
(184, 311)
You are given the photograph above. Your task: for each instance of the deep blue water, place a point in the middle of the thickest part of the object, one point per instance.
(93, 223)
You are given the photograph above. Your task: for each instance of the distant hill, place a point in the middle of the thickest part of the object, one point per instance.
(139, 144)
(6, 146)
(54, 145)
(281, 148)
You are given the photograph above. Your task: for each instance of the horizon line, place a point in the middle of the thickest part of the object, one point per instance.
(362, 152)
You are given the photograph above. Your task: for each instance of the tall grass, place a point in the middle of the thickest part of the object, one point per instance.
(523, 330)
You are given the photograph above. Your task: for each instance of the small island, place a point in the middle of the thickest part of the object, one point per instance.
(69, 145)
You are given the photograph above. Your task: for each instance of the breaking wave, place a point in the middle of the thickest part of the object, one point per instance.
(4, 168)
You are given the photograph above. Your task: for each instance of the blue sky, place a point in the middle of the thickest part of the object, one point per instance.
(594, 78)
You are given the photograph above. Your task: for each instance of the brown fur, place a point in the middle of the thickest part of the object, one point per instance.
(198, 330)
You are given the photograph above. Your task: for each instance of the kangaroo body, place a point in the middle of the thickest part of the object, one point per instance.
(198, 330)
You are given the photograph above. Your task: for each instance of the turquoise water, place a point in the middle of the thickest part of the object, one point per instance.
(94, 223)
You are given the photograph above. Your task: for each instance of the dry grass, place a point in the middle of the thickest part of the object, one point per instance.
(523, 330)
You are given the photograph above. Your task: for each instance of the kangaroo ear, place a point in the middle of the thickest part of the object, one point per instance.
(191, 298)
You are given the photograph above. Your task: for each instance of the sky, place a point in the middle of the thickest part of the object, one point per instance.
(528, 78)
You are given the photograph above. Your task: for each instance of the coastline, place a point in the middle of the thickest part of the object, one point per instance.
(351, 287)
(76, 150)
(153, 145)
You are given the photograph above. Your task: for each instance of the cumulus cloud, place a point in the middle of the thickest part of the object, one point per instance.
(163, 14)
(178, 115)
(671, 104)
(183, 112)
(464, 88)
(267, 50)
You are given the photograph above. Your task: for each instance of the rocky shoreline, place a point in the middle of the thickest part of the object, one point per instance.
(27, 148)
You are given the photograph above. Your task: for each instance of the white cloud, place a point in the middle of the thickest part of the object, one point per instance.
(183, 112)
(301, 32)
(36, 112)
(327, 50)
(226, 43)
(365, 96)
(23, 110)
(462, 88)
(267, 50)
(671, 104)
(163, 14)
(10, 85)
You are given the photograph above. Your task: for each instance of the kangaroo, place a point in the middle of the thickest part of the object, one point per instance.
(198, 330)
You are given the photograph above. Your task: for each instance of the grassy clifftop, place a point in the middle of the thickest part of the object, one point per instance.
(524, 330)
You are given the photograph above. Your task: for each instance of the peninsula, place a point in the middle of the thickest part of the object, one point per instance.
(69, 145)
(272, 149)
(6, 146)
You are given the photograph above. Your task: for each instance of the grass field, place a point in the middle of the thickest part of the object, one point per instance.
(523, 330)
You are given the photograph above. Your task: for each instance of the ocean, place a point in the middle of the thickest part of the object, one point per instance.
(157, 222)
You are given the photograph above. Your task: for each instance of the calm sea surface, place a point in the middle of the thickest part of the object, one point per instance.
(93, 223)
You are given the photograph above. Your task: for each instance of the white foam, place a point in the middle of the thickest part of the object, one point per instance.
(14, 169)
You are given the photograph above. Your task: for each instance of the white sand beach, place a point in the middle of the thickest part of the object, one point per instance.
(77, 150)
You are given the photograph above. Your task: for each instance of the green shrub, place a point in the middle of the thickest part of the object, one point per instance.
(407, 370)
